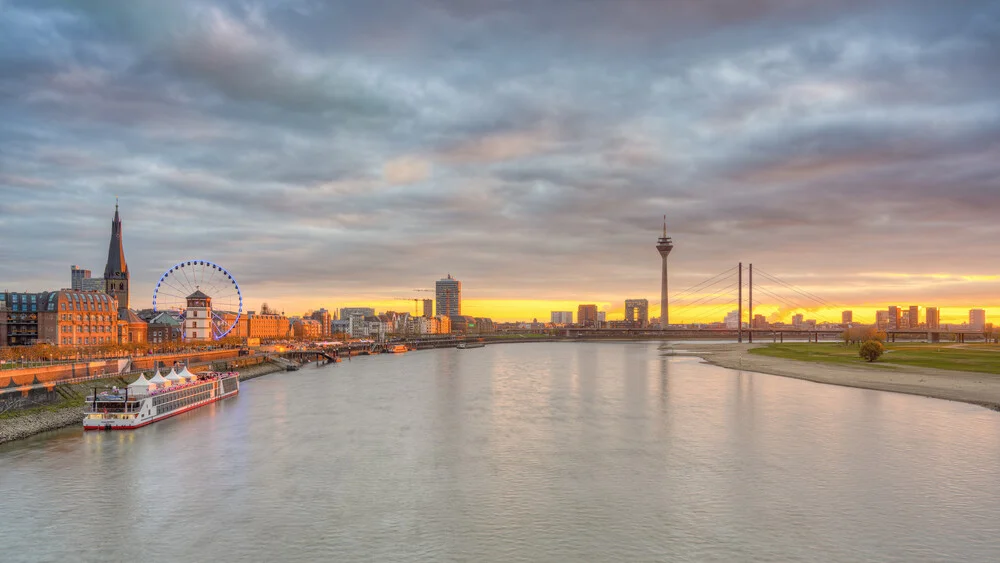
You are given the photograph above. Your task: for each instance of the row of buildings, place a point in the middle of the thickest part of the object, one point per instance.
(587, 315)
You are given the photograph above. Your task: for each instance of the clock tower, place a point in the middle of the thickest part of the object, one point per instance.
(116, 271)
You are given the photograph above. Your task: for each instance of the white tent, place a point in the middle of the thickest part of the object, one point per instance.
(158, 380)
(187, 374)
(174, 378)
(139, 386)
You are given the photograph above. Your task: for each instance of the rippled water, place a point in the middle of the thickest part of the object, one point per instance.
(533, 452)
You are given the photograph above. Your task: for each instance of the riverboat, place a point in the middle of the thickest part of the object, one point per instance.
(399, 349)
(145, 401)
(466, 345)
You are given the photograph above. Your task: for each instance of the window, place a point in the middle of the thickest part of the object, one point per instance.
(62, 306)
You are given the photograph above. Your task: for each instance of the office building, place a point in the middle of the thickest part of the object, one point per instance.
(977, 319)
(586, 315)
(601, 317)
(76, 276)
(760, 322)
(933, 315)
(882, 320)
(428, 308)
(562, 317)
(798, 320)
(448, 297)
(914, 317)
(637, 312)
(895, 317)
(732, 320)
(847, 317)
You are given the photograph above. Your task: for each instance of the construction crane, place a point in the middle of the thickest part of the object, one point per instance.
(416, 304)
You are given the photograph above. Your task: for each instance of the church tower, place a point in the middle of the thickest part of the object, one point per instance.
(116, 271)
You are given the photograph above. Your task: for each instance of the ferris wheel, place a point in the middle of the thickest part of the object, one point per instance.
(185, 278)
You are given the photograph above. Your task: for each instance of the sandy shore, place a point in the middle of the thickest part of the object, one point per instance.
(981, 389)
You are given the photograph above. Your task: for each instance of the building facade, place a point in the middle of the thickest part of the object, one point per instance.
(76, 277)
(308, 329)
(65, 318)
(164, 328)
(882, 320)
(637, 312)
(428, 308)
(847, 317)
(933, 315)
(895, 317)
(562, 317)
(586, 315)
(346, 312)
(198, 318)
(914, 316)
(977, 319)
(448, 296)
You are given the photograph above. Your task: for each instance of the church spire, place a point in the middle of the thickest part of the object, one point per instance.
(116, 267)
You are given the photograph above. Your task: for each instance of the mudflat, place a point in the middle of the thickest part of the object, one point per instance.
(970, 387)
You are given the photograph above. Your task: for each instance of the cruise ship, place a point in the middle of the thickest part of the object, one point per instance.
(147, 401)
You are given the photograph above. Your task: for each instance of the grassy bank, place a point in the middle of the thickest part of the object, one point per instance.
(979, 358)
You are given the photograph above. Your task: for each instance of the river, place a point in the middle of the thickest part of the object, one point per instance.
(518, 452)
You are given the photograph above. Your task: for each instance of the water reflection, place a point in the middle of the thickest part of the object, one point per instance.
(572, 452)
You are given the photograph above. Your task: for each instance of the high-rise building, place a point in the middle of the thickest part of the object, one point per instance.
(882, 319)
(847, 317)
(601, 317)
(116, 275)
(977, 319)
(586, 315)
(933, 315)
(448, 297)
(428, 308)
(798, 320)
(732, 320)
(895, 317)
(76, 276)
(759, 321)
(562, 317)
(914, 316)
(664, 245)
(637, 312)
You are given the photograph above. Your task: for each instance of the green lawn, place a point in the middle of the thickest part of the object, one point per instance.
(982, 358)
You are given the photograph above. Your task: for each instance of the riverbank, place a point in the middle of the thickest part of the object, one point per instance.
(23, 424)
(981, 389)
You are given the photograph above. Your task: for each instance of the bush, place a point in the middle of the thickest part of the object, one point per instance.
(871, 350)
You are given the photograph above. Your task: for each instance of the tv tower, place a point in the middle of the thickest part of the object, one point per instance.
(664, 245)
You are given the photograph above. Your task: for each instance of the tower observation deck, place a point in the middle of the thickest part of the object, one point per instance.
(664, 245)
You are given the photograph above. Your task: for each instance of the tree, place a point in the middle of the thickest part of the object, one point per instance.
(871, 350)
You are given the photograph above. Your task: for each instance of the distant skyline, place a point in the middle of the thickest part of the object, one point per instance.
(336, 154)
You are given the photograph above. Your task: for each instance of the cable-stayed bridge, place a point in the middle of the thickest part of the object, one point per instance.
(734, 295)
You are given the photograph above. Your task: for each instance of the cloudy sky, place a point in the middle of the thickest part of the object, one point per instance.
(336, 153)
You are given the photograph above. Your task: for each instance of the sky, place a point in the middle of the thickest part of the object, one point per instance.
(346, 153)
